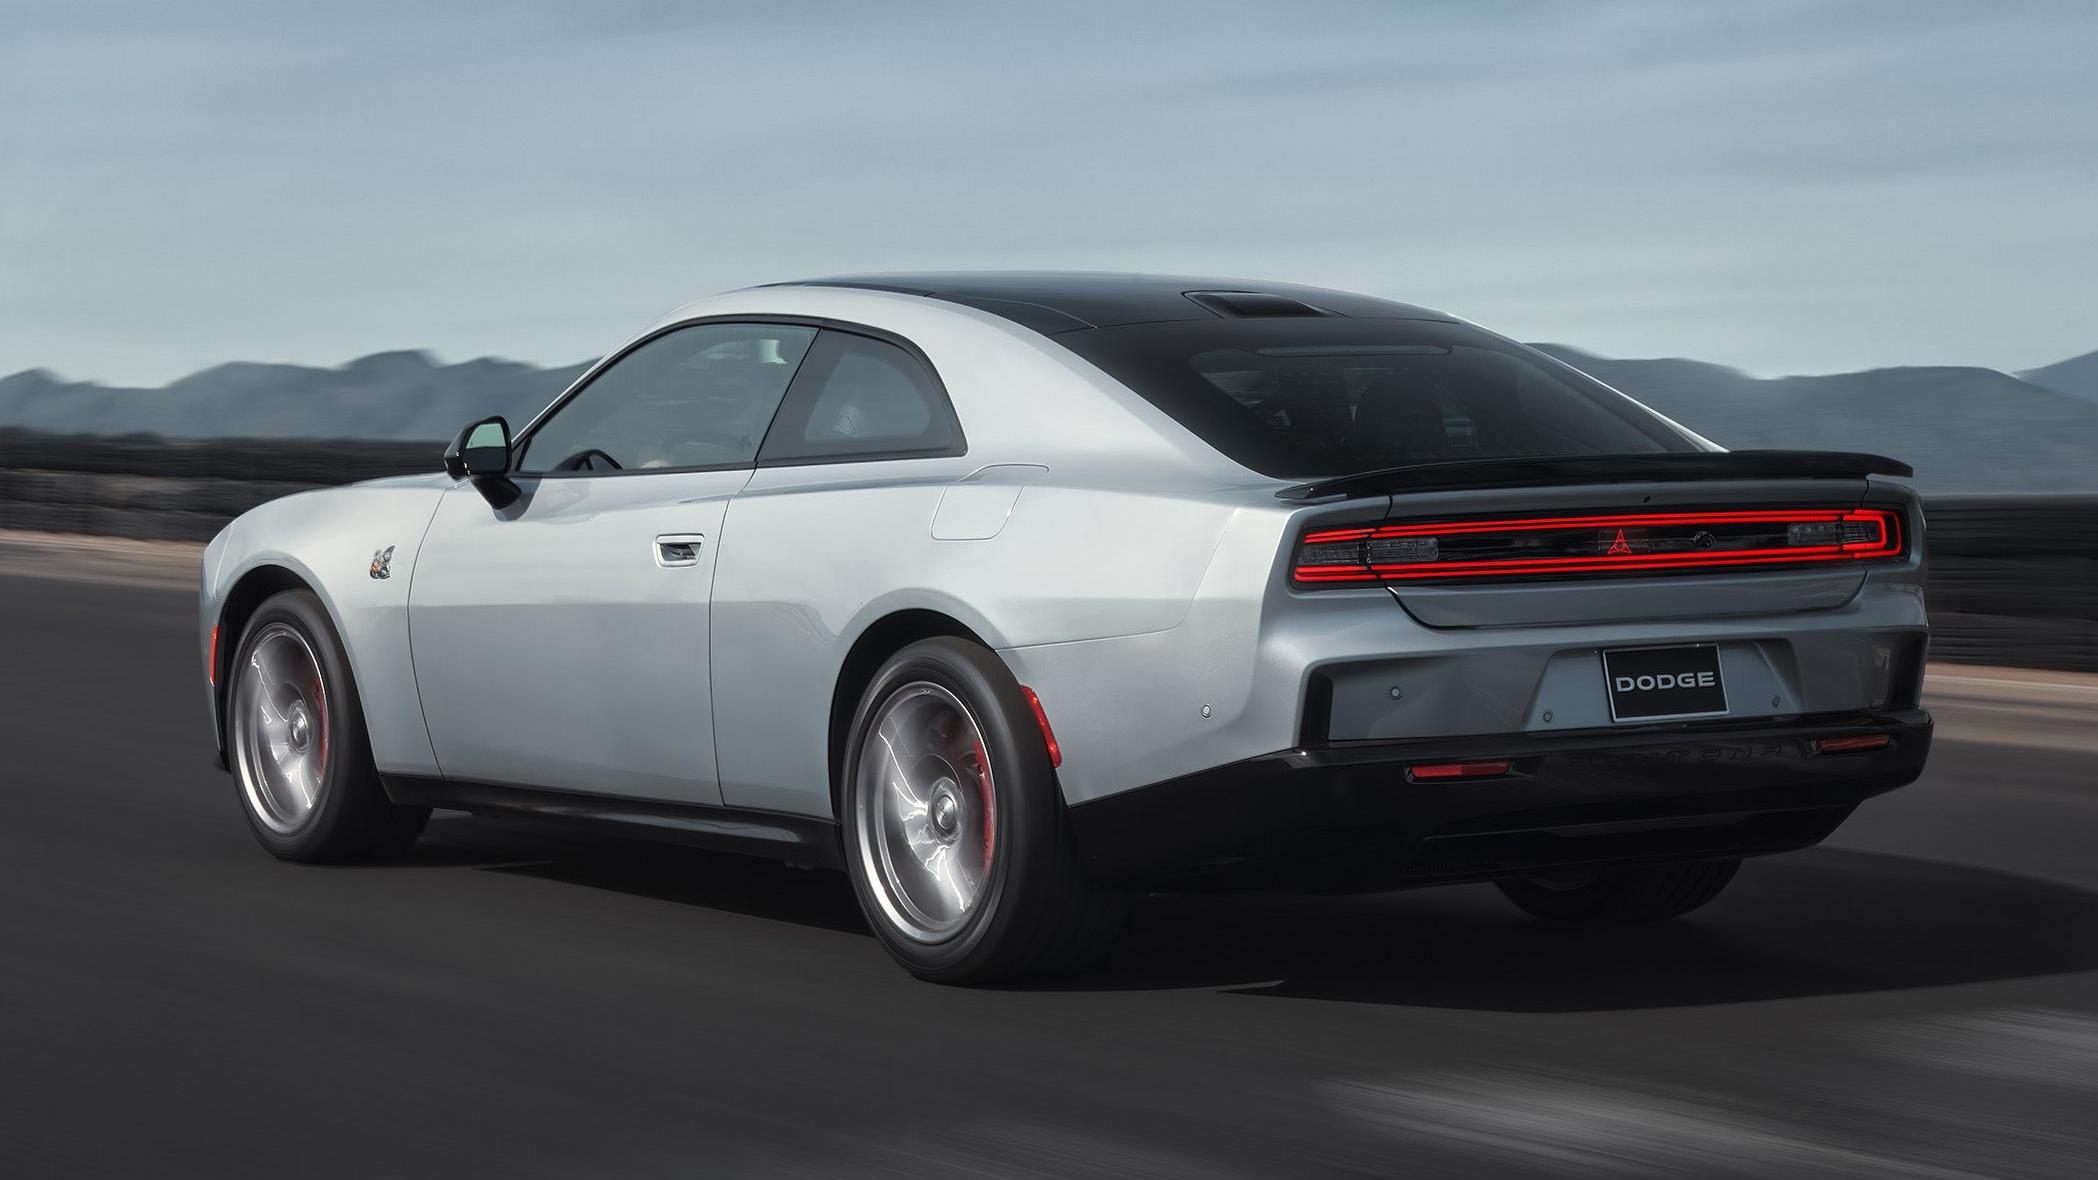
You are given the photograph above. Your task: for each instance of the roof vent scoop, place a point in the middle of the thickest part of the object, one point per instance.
(1253, 304)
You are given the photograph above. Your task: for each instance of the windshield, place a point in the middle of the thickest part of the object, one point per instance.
(1308, 398)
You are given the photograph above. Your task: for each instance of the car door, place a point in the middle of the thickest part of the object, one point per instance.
(560, 624)
(841, 510)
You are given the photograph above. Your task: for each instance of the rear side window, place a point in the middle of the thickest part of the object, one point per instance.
(861, 398)
(1323, 397)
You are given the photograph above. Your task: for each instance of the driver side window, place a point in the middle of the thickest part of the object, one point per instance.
(699, 396)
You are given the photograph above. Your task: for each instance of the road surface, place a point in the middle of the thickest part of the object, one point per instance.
(1919, 997)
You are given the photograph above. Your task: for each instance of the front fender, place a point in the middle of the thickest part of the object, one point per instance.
(332, 541)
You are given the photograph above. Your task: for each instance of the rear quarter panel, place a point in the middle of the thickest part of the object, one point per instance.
(811, 558)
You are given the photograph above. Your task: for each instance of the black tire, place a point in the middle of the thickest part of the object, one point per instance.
(1037, 913)
(351, 819)
(1628, 895)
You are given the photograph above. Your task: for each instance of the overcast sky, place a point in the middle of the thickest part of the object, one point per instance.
(1785, 187)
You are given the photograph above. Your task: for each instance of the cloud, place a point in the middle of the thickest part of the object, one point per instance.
(1785, 187)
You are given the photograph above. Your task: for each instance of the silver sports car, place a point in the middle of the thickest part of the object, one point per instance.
(1011, 594)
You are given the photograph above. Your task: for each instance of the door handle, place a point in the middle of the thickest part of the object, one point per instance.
(676, 549)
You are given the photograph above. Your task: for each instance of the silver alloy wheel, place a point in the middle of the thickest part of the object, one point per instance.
(280, 729)
(925, 811)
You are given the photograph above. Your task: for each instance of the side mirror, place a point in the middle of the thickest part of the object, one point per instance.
(481, 450)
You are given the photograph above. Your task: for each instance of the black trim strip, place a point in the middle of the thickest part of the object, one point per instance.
(1560, 470)
(798, 839)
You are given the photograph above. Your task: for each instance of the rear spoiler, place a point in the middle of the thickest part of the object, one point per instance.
(1554, 471)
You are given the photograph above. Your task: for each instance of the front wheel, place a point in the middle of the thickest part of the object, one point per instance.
(1626, 895)
(955, 833)
(296, 742)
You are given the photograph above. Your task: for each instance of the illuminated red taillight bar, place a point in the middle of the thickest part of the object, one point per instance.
(1627, 543)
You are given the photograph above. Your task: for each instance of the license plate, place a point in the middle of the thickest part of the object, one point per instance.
(1664, 683)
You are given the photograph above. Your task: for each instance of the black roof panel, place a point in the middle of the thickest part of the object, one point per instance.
(1066, 301)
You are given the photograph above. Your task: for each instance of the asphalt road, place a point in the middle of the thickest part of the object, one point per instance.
(1917, 998)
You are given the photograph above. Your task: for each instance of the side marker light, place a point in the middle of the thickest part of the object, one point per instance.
(1056, 753)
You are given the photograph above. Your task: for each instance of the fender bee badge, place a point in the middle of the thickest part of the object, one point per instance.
(382, 563)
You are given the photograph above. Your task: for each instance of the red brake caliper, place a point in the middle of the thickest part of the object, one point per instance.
(983, 789)
(320, 699)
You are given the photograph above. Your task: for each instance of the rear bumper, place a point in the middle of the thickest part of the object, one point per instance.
(1345, 815)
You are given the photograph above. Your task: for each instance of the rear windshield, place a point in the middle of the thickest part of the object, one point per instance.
(1317, 398)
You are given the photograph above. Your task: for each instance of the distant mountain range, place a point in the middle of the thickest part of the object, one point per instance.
(388, 395)
(1964, 429)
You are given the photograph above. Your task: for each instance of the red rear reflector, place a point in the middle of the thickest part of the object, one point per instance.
(211, 666)
(1056, 753)
(1458, 770)
(1845, 745)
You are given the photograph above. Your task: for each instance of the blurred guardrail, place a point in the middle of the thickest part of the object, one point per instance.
(2014, 579)
(172, 489)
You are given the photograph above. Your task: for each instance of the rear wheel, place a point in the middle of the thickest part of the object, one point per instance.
(297, 744)
(1626, 895)
(956, 838)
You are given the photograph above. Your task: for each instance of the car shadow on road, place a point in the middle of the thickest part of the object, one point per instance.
(1827, 921)
(643, 868)
(1822, 922)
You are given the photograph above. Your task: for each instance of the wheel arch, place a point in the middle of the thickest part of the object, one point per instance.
(882, 638)
(243, 598)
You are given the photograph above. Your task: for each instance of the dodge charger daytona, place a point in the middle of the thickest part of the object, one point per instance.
(1014, 594)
